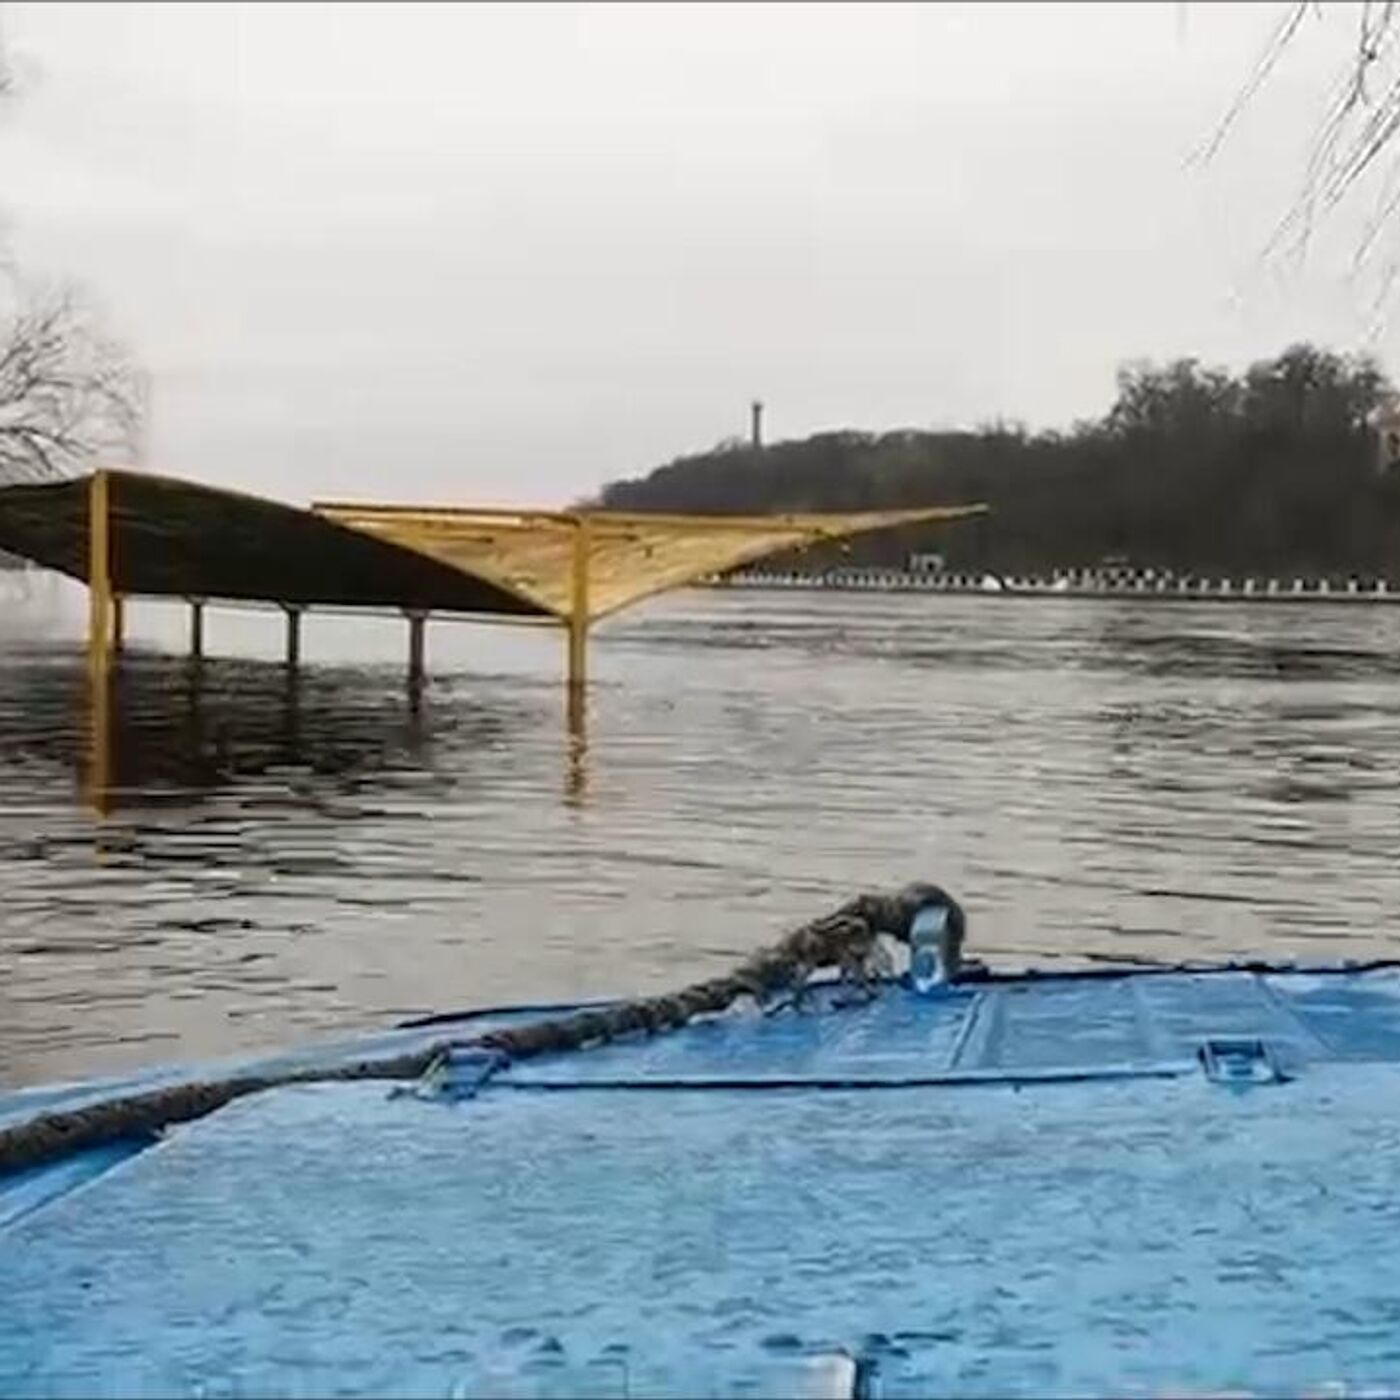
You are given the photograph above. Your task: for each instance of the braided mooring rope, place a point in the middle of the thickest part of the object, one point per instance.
(846, 940)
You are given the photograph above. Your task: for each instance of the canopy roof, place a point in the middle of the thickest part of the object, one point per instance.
(180, 538)
(185, 539)
(630, 556)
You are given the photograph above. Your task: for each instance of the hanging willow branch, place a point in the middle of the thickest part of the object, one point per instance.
(1356, 138)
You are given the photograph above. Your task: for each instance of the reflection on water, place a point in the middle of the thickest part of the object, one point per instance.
(160, 729)
(276, 855)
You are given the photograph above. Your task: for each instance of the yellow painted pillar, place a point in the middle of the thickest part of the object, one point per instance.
(99, 640)
(578, 606)
(99, 571)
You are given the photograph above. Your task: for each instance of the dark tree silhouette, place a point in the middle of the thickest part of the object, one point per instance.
(1191, 469)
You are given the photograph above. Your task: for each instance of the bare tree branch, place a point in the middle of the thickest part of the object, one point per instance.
(1273, 51)
(1357, 135)
(69, 396)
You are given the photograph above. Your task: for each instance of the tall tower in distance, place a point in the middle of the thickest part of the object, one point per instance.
(756, 431)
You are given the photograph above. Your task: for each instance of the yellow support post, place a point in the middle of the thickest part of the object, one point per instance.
(578, 606)
(99, 640)
(99, 571)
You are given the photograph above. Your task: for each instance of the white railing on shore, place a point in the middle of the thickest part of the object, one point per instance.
(1071, 583)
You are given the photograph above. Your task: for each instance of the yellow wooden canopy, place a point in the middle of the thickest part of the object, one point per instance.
(129, 533)
(586, 565)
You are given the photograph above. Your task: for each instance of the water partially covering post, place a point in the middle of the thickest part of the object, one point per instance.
(197, 628)
(578, 607)
(294, 612)
(416, 647)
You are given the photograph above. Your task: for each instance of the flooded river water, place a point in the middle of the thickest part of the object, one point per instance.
(276, 860)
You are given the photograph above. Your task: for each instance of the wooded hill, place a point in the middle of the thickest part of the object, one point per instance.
(1193, 469)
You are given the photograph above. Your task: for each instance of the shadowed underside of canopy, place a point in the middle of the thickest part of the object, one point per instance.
(177, 538)
(625, 557)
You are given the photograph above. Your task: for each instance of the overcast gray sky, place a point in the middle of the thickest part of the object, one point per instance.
(501, 254)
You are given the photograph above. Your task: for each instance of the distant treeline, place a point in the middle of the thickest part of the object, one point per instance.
(1192, 469)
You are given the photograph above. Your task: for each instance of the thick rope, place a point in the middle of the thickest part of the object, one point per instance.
(847, 940)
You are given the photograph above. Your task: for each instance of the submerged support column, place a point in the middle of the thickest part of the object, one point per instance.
(294, 612)
(118, 622)
(578, 608)
(101, 734)
(416, 647)
(99, 571)
(578, 653)
(197, 628)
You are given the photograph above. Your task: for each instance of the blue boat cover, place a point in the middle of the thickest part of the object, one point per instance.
(1142, 1184)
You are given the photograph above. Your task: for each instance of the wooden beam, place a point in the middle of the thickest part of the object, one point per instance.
(99, 571)
(829, 524)
(99, 651)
